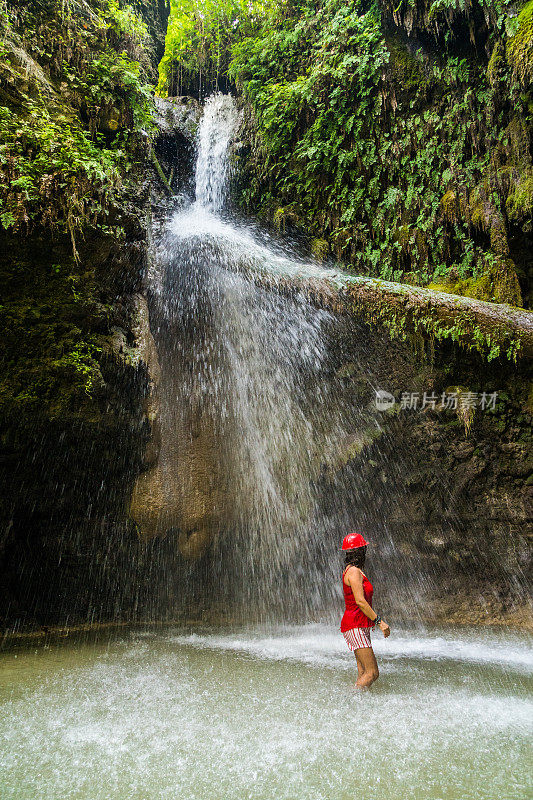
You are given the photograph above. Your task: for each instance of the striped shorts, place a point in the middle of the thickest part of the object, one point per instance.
(357, 637)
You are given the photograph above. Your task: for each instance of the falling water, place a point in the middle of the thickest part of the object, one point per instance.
(256, 423)
(250, 408)
(212, 165)
(250, 412)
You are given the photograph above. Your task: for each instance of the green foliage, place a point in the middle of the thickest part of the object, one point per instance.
(199, 38)
(112, 92)
(360, 141)
(77, 90)
(81, 361)
(125, 22)
(50, 158)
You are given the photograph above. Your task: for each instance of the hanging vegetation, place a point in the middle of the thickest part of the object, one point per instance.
(199, 39)
(396, 135)
(73, 86)
(393, 139)
(73, 91)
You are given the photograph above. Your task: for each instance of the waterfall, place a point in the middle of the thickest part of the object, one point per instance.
(251, 410)
(214, 136)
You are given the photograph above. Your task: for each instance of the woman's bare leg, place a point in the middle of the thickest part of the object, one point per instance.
(366, 661)
(360, 667)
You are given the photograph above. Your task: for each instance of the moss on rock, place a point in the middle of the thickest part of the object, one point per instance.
(406, 72)
(319, 249)
(519, 203)
(497, 66)
(520, 46)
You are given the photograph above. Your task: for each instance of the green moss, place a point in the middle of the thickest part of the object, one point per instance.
(499, 280)
(319, 249)
(406, 71)
(478, 288)
(520, 46)
(519, 202)
(514, 144)
(499, 284)
(403, 236)
(450, 206)
(497, 66)
(409, 322)
(505, 285)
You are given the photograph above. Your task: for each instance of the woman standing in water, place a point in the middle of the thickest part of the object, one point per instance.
(359, 616)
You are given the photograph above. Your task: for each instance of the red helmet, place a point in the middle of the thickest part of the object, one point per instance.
(353, 540)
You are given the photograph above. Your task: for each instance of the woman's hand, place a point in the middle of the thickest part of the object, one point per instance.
(385, 628)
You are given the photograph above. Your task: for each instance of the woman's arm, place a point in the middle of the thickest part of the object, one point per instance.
(354, 576)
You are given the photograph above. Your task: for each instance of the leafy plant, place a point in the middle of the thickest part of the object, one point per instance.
(401, 163)
(63, 157)
(199, 38)
(48, 158)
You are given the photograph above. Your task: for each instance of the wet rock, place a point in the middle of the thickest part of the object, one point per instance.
(463, 451)
(178, 114)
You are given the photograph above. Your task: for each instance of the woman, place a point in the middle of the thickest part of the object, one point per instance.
(359, 615)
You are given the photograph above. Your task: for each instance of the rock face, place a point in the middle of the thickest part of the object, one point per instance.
(181, 484)
(80, 412)
(73, 427)
(108, 512)
(183, 490)
(450, 491)
(177, 120)
(177, 114)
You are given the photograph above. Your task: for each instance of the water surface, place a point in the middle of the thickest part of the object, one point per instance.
(268, 713)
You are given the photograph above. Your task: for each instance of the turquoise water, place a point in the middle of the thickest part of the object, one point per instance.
(268, 713)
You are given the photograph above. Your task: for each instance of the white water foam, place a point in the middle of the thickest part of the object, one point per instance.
(240, 715)
(321, 645)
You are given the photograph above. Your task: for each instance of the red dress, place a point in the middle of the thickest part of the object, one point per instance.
(353, 616)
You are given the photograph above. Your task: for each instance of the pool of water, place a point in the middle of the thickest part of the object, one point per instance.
(268, 713)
